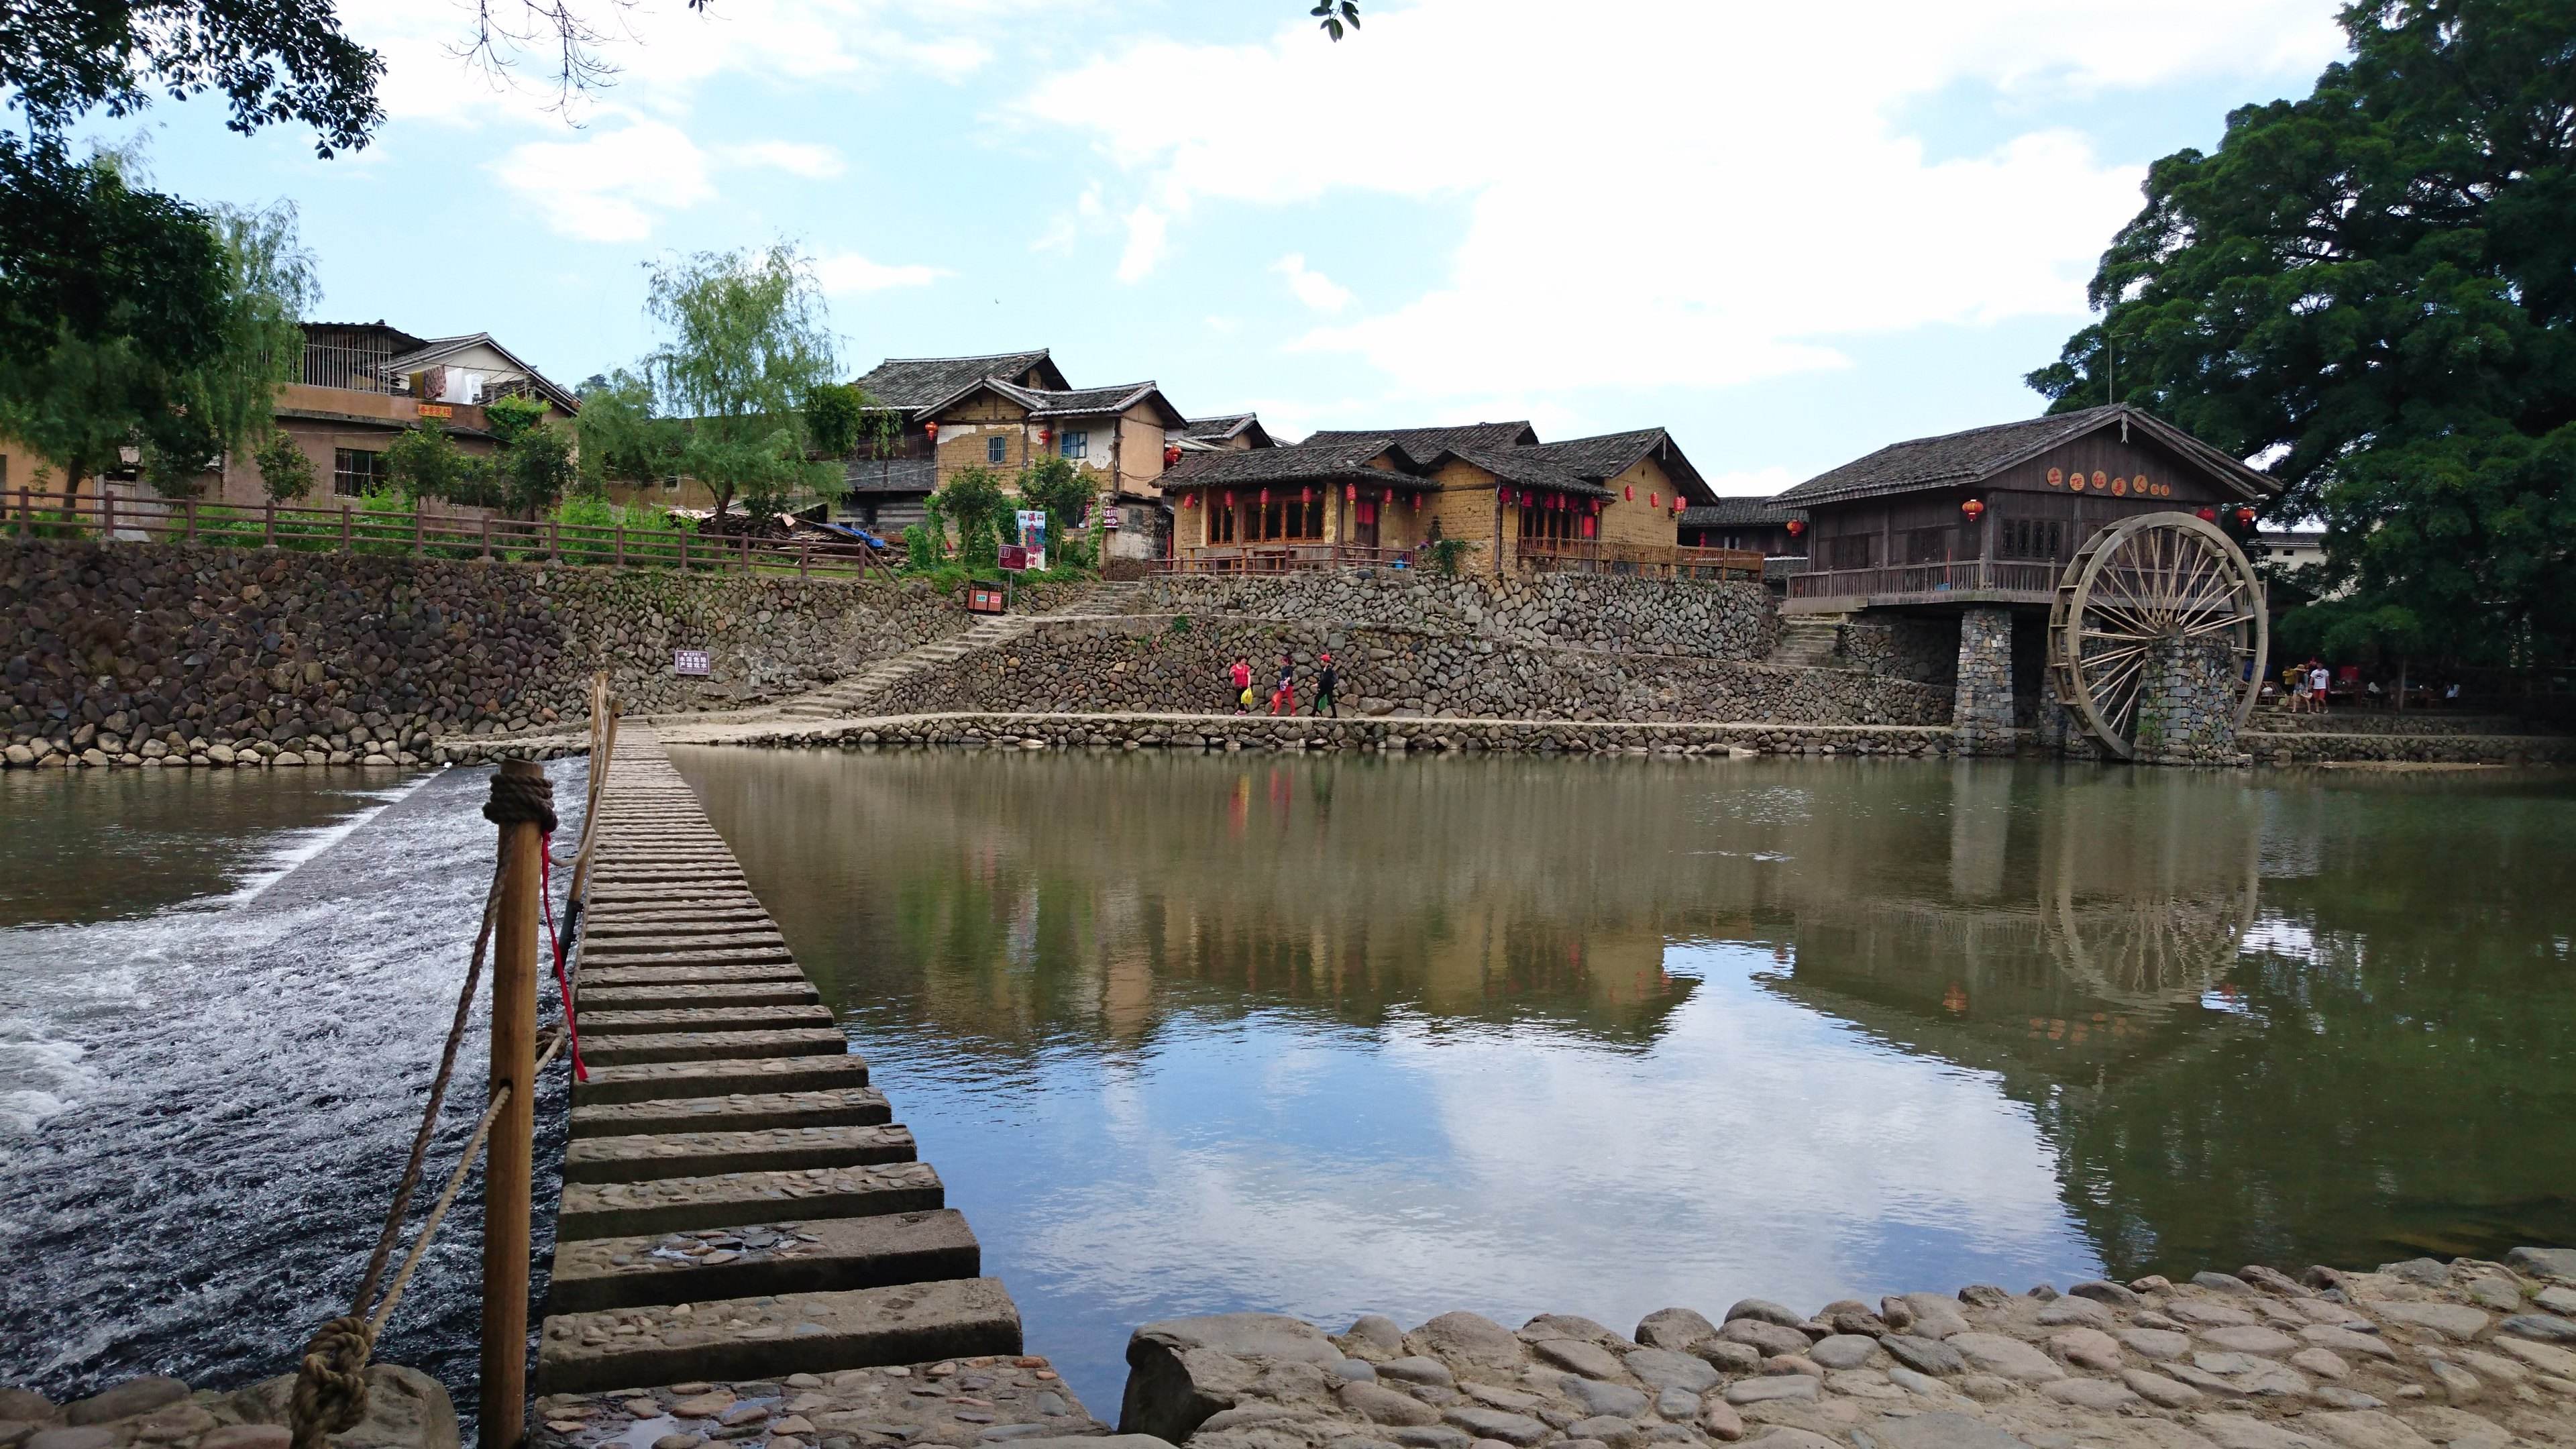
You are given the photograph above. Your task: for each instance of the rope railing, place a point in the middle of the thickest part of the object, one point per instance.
(330, 1393)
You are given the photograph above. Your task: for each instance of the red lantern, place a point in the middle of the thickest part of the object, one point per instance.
(1305, 495)
(1265, 496)
(2244, 518)
(1973, 508)
(1654, 500)
(930, 431)
(1045, 436)
(1171, 455)
(1628, 494)
(2206, 515)
(1350, 493)
(1797, 526)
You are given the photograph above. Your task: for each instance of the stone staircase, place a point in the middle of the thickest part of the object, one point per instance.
(851, 696)
(1809, 641)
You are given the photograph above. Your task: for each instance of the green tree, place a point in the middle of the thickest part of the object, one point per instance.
(285, 470)
(2371, 290)
(424, 462)
(745, 349)
(973, 500)
(533, 468)
(836, 418)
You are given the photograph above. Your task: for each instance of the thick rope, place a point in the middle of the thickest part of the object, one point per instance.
(522, 800)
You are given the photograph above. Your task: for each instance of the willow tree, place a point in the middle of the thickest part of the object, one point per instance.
(746, 349)
(2371, 290)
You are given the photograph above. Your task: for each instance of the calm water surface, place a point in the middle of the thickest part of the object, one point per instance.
(1331, 1036)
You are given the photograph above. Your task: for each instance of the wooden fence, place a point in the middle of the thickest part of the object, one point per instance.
(352, 528)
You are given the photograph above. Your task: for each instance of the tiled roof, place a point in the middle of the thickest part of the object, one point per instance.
(1084, 401)
(436, 348)
(1345, 459)
(1521, 465)
(1980, 453)
(1221, 428)
(913, 382)
(1424, 444)
(1740, 511)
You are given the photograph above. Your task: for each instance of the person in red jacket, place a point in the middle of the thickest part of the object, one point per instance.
(1241, 674)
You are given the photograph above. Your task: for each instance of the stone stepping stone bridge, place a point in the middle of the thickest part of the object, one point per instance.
(748, 1247)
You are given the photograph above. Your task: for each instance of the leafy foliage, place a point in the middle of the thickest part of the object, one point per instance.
(835, 415)
(725, 397)
(273, 60)
(973, 500)
(285, 471)
(1054, 484)
(1332, 15)
(2373, 289)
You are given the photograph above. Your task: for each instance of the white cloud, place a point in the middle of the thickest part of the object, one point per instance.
(797, 158)
(609, 185)
(1148, 231)
(846, 273)
(1677, 193)
(1312, 288)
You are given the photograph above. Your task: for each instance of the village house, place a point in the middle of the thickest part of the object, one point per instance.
(359, 385)
(1763, 525)
(1003, 411)
(1345, 497)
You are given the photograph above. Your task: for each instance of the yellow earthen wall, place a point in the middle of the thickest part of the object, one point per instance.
(1640, 522)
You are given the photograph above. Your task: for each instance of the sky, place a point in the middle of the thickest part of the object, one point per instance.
(1790, 234)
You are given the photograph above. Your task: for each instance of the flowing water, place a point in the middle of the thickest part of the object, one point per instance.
(1332, 1035)
(221, 998)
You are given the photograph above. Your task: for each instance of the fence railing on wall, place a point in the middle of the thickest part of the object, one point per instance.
(353, 528)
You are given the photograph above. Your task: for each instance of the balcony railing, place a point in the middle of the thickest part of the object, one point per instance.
(1281, 558)
(1645, 560)
(1928, 580)
(357, 369)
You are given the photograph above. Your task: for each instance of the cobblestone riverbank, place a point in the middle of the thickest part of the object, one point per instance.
(2466, 1355)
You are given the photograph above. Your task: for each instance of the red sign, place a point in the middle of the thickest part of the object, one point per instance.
(1014, 557)
(436, 410)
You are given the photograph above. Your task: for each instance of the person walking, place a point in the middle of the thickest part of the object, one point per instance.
(2319, 681)
(1241, 674)
(1326, 677)
(1283, 700)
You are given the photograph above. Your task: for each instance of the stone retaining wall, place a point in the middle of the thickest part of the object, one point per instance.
(2347, 721)
(1701, 618)
(1165, 665)
(2468, 1355)
(2313, 749)
(1923, 650)
(181, 654)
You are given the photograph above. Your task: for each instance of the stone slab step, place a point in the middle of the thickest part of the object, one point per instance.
(728, 1017)
(736, 1111)
(815, 1333)
(736, 940)
(674, 1204)
(645, 1156)
(646, 1081)
(820, 1256)
(781, 992)
(690, 973)
(690, 1046)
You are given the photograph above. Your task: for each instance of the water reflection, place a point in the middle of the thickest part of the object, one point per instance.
(1333, 1035)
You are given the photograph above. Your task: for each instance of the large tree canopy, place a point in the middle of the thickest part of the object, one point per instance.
(2370, 291)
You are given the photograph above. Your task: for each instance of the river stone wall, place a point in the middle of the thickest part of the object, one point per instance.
(1166, 665)
(1923, 650)
(2467, 1355)
(1704, 619)
(406, 1409)
(180, 654)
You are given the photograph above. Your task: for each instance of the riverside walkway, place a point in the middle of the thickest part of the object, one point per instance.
(742, 1221)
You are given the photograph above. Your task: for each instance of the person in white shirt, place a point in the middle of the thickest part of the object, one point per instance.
(2318, 682)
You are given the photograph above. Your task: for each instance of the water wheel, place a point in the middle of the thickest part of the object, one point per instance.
(2145, 581)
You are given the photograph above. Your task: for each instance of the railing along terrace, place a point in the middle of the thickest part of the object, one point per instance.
(1648, 560)
(358, 369)
(350, 528)
(2007, 576)
(1280, 558)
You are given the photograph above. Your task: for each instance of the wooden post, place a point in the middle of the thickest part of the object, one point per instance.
(487, 535)
(191, 506)
(415, 528)
(106, 513)
(344, 528)
(621, 545)
(26, 513)
(685, 531)
(508, 1162)
(804, 552)
(554, 542)
(268, 524)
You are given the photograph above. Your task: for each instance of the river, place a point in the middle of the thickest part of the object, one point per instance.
(1336, 1035)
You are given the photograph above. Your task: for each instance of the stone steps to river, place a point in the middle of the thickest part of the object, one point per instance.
(738, 1202)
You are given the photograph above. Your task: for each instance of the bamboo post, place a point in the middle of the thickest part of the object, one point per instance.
(508, 1164)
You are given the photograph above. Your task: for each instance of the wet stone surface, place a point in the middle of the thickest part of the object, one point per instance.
(2424, 1355)
(954, 1402)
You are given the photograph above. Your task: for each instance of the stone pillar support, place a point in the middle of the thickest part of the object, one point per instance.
(1981, 708)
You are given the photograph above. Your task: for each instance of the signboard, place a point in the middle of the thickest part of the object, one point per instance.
(689, 661)
(1014, 557)
(985, 599)
(436, 410)
(1033, 537)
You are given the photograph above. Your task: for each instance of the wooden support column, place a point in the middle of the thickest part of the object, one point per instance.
(509, 1158)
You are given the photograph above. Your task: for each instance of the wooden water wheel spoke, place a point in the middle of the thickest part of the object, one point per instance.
(2142, 586)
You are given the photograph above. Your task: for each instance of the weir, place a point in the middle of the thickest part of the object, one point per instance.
(742, 1221)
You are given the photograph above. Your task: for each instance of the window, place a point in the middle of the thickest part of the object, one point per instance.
(670, 482)
(1927, 545)
(2036, 538)
(1851, 551)
(1075, 444)
(1220, 521)
(994, 447)
(1288, 519)
(355, 472)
